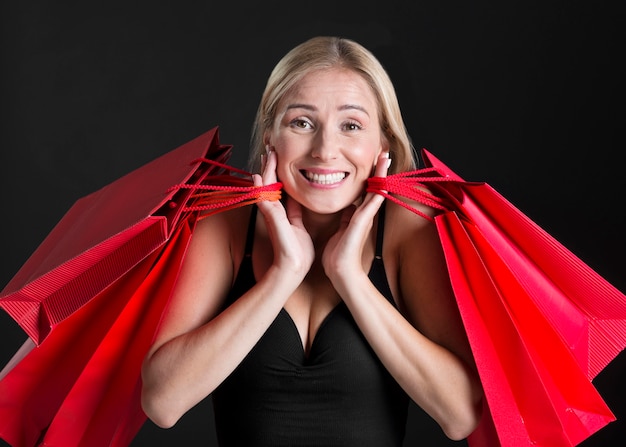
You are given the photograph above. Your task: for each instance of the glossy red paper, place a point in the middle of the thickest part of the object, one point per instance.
(541, 323)
(92, 295)
(81, 386)
(106, 233)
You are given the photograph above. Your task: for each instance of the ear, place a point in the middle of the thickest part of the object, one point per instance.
(267, 140)
(384, 147)
(384, 144)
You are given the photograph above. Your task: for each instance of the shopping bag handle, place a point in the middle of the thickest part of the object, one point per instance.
(426, 186)
(214, 193)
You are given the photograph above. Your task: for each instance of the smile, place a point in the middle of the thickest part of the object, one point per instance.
(324, 179)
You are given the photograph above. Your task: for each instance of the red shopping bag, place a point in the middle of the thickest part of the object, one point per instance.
(586, 310)
(93, 293)
(541, 323)
(106, 233)
(81, 386)
(533, 384)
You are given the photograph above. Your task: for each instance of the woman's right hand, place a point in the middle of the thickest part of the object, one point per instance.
(200, 341)
(291, 243)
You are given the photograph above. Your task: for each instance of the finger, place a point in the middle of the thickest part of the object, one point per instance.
(370, 205)
(357, 221)
(269, 171)
(294, 212)
(264, 205)
(382, 164)
(372, 201)
(257, 180)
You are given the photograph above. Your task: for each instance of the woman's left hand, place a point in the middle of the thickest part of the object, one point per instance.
(342, 257)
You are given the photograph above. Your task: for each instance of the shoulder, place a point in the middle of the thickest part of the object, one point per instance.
(423, 287)
(414, 253)
(403, 226)
(225, 222)
(412, 241)
(224, 231)
(206, 275)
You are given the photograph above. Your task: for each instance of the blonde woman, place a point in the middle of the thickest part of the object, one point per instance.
(314, 320)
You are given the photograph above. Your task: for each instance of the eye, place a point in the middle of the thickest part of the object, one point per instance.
(352, 125)
(301, 123)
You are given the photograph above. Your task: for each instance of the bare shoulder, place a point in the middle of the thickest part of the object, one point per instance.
(207, 272)
(224, 233)
(424, 291)
(407, 226)
(407, 239)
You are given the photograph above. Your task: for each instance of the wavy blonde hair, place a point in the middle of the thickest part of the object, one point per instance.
(322, 53)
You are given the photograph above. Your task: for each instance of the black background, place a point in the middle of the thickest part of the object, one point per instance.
(527, 95)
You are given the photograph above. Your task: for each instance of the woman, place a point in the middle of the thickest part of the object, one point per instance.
(315, 323)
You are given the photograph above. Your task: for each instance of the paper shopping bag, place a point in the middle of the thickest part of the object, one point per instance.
(81, 386)
(535, 390)
(106, 233)
(520, 291)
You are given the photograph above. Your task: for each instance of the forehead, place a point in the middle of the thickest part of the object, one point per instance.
(336, 84)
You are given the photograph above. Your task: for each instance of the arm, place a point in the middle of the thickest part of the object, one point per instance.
(197, 347)
(448, 381)
(424, 347)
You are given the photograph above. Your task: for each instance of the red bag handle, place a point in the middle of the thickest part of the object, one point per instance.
(220, 192)
(426, 186)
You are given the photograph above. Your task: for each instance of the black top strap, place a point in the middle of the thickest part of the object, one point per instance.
(250, 234)
(379, 232)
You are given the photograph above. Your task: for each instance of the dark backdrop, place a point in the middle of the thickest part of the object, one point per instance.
(526, 95)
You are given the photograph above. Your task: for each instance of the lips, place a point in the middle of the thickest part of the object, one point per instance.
(324, 179)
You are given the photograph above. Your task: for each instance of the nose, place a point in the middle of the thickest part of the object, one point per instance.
(325, 146)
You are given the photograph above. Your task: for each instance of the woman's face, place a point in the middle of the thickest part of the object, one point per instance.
(327, 138)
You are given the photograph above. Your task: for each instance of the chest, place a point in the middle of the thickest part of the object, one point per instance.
(280, 363)
(340, 390)
(313, 302)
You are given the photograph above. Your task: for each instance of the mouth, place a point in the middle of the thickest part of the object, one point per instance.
(324, 179)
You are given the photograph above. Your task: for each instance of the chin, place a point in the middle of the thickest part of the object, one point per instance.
(325, 200)
(329, 206)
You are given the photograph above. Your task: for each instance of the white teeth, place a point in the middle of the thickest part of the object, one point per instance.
(325, 179)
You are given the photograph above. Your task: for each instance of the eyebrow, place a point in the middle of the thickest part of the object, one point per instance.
(301, 106)
(354, 107)
(313, 108)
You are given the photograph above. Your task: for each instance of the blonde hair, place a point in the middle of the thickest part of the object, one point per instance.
(321, 53)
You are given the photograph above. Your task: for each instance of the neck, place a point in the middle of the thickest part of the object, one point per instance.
(321, 227)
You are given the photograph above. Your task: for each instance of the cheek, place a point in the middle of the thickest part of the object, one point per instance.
(282, 171)
(286, 154)
(367, 160)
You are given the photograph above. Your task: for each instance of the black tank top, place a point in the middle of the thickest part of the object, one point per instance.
(338, 395)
